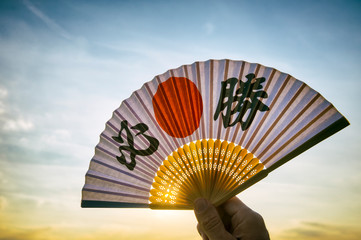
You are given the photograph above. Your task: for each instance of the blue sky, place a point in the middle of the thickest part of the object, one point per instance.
(66, 65)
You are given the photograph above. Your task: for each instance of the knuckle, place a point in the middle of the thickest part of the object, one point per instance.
(257, 217)
(251, 218)
(211, 224)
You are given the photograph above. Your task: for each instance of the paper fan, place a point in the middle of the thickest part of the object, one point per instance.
(210, 129)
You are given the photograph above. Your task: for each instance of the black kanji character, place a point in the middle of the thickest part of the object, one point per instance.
(246, 99)
(141, 128)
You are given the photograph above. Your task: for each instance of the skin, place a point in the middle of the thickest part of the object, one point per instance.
(231, 220)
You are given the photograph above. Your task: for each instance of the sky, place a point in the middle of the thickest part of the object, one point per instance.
(65, 66)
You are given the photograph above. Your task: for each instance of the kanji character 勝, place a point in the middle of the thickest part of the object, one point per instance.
(245, 100)
(141, 128)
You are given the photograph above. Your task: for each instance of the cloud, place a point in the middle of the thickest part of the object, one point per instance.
(11, 123)
(320, 231)
(17, 234)
(3, 92)
(101, 231)
(18, 125)
(48, 21)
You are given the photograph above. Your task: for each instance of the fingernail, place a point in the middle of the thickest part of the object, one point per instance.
(200, 204)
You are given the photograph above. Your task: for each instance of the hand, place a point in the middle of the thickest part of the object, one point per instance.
(231, 220)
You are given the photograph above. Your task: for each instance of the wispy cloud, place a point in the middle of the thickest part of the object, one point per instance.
(320, 231)
(47, 20)
(17, 234)
(10, 123)
(18, 125)
(3, 92)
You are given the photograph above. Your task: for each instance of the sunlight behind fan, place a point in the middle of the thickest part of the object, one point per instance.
(210, 169)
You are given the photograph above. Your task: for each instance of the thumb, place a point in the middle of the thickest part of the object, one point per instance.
(210, 221)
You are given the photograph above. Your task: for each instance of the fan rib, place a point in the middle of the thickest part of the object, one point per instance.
(227, 130)
(115, 193)
(229, 167)
(238, 126)
(183, 174)
(141, 136)
(224, 161)
(192, 156)
(116, 144)
(275, 122)
(155, 124)
(114, 157)
(121, 171)
(285, 129)
(201, 166)
(299, 133)
(209, 151)
(189, 165)
(166, 111)
(255, 131)
(211, 98)
(185, 123)
(285, 82)
(244, 107)
(193, 106)
(170, 171)
(199, 85)
(171, 145)
(225, 76)
(163, 186)
(116, 182)
(108, 139)
(325, 133)
(217, 155)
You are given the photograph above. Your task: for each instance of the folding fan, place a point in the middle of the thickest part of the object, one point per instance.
(210, 129)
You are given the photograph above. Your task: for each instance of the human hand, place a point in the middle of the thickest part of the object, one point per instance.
(231, 220)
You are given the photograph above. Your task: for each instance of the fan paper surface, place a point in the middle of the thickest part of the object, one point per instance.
(210, 129)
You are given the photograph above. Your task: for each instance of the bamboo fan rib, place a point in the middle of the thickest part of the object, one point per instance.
(208, 129)
(210, 169)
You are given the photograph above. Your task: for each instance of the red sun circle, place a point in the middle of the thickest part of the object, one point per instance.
(178, 106)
